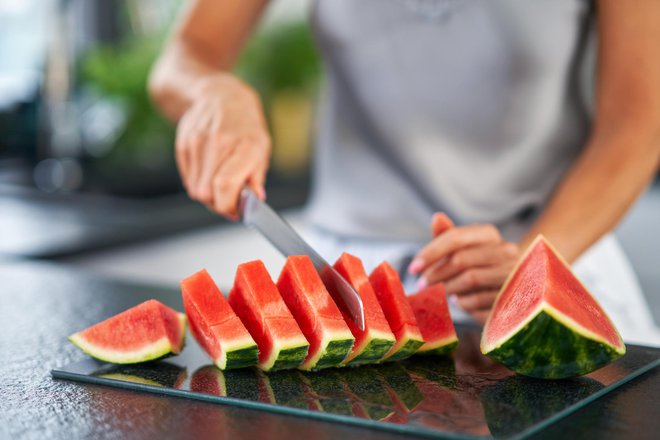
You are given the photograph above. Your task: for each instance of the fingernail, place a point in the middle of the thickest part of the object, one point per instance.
(416, 266)
(421, 284)
(453, 299)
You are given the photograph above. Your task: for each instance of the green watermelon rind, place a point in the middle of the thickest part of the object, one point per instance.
(241, 357)
(332, 356)
(289, 357)
(407, 348)
(445, 348)
(160, 349)
(372, 353)
(549, 347)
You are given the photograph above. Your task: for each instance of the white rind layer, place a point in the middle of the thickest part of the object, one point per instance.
(149, 352)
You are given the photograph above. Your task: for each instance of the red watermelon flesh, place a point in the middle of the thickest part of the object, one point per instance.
(545, 323)
(543, 278)
(148, 331)
(398, 312)
(317, 314)
(375, 341)
(214, 324)
(432, 314)
(258, 303)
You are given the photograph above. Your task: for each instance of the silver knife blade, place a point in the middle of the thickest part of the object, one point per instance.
(260, 216)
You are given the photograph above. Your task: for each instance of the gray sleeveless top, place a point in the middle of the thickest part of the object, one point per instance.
(472, 107)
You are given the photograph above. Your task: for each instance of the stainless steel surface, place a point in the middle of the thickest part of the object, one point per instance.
(260, 216)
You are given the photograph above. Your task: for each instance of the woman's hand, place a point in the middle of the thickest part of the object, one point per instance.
(222, 144)
(472, 261)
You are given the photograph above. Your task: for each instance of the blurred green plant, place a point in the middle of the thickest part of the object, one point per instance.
(120, 73)
(277, 58)
(281, 58)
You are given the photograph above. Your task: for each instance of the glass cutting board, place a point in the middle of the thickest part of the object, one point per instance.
(465, 396)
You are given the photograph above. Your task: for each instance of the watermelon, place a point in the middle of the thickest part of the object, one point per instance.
(432, 314)
(317, 314)
(545, 324)
(375, 341)
(389, 291)
(148, 331)
(214, 324)
(258, 303)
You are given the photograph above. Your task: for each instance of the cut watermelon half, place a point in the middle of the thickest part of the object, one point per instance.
(148, 331)
(392, 298)
(432, 314)
(376, 340)
(545, 323)
(258, 303)
(214, 324)
(317, 314)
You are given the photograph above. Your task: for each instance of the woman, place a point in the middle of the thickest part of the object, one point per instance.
(478, 109)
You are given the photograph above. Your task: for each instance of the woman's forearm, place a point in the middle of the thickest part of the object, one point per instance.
(203, 48)
(598, 190)
(624, 150)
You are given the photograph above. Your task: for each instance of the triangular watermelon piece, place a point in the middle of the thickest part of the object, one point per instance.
(432, 314)
(372, 344)
(544, 323)
(214, 324)
(258, 303)
(392, 298)
(148, 331)
(317, 314)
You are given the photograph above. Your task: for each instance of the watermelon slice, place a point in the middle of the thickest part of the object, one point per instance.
(544, 323)
(432, 314)
(389, 291)
(372, 344)
(317, 314)
(260, 306)
(214, 324)
(148, 331)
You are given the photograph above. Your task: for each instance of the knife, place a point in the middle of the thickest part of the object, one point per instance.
(260, 216)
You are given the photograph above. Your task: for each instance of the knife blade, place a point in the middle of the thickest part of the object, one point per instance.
(279, 233)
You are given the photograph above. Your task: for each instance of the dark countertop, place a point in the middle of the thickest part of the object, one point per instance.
(41, 303)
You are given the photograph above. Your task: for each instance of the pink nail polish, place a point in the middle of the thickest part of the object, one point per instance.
(453, 299)
(416, 266)
(421, 284)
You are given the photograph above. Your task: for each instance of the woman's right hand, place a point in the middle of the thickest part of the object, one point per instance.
(222, 144)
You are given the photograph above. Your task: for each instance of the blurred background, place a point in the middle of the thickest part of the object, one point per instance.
(87, 173)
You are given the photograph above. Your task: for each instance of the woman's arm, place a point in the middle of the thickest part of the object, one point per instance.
(623, 153)
(222, 140)
(618, 162)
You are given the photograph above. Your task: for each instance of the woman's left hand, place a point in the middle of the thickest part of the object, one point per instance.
(472, 261)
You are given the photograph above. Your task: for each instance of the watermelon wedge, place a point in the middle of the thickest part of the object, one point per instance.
(258, 303)
(214, 324)
(389, 291)
(432, 314)
(544, 323)
(148, 331)
(372, 344)
(317, 314)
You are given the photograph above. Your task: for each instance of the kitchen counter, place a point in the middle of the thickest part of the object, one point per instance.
(42, 303)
